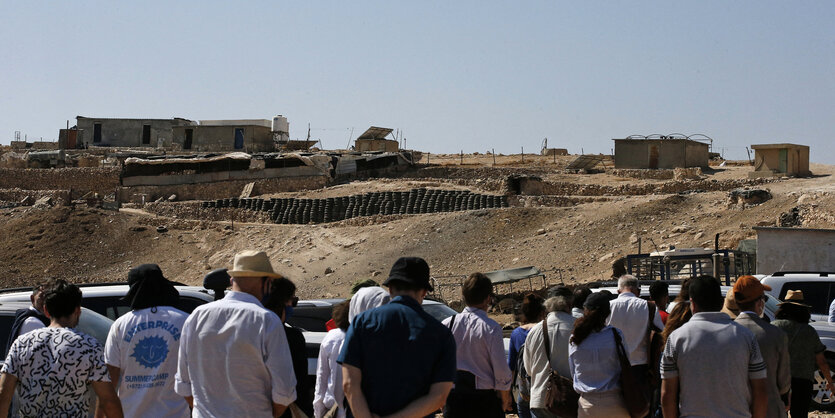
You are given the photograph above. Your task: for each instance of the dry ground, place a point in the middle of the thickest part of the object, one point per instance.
(93, 245)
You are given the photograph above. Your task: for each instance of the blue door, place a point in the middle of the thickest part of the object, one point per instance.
(239, 138)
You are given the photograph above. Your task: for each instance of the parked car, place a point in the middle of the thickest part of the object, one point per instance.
(309, 315)
(818, 289)
(822, 399)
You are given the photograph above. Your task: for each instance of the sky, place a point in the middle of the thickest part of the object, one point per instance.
(450, 75)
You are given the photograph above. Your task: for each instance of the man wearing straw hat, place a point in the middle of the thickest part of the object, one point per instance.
(234, 358)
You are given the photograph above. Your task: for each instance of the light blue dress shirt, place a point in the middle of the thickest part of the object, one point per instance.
(594, 363)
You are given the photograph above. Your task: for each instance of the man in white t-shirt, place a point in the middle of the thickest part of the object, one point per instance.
(50, 368)
(143, 344)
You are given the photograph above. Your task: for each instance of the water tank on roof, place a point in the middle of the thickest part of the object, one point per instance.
(280, 124)
(281, 129)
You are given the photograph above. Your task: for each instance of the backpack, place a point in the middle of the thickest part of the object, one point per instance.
(521, 386)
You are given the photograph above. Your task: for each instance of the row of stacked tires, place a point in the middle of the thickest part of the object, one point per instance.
(304, 211)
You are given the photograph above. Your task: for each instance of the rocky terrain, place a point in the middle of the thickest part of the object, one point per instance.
(573, 235)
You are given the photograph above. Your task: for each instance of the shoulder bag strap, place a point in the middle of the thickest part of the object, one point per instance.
(547, 341)
(619, 347)
(452, 322)
(650, 326)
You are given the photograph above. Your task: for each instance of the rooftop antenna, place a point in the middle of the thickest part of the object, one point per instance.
(350, 135)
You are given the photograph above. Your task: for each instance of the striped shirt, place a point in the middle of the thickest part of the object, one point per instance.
(714, 358)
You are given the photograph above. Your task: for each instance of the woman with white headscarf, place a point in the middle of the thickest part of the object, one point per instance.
(328, 398)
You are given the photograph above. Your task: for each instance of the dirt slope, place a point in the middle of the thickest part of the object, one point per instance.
(94, 245)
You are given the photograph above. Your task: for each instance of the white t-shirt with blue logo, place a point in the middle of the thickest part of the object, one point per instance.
(144, 345)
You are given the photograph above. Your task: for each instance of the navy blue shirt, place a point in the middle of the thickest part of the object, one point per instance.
(401, 351)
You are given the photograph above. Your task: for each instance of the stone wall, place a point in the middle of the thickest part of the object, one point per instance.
(78, 179)
(221, 189)
(535, 186)
(194, 210)
(30, 196)
(690, 173)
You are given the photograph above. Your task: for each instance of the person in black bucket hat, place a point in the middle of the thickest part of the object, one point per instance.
(396, 343)
(412, 271)
(146, 341)
(148, 288)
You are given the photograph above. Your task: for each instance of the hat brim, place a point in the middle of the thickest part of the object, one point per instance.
(405, 280)
(794, 303)
(251, 273)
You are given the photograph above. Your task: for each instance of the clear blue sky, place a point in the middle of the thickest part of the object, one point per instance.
(471, 75)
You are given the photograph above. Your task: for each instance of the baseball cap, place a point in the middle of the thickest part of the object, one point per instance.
(412, 270)
(597, 301)
(748, 289)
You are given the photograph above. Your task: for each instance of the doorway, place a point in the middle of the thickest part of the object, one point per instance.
(96, 132)
(653, 156)
(189, 138)
(146, 134)
(239, 138)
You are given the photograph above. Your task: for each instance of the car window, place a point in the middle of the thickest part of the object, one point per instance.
(187, 304)
(102, 305)
(311, 318)
(6, 322)
(96, 326)
(439, 311)
(816, 294)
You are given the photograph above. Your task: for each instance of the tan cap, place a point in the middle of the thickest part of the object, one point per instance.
(252, 263)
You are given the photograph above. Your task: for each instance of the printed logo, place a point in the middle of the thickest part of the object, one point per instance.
(150, 352)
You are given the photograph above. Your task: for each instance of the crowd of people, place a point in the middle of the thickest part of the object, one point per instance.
(578, 352)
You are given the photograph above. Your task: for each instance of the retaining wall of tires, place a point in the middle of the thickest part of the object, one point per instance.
(332, 209)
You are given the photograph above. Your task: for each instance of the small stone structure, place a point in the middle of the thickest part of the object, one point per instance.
(125, 132)
(748, 196)
(660, 153)
(780, 160)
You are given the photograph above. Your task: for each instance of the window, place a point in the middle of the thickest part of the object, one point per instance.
(816, 294)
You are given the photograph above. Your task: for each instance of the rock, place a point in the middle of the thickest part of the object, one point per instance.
(162, 229)
(516, 259)
(375, 273)
(43, 202)
(633, 239)
(699, 235)
(748, 196)
(803, 199)
(765, 223)
(505, 305)
(328, 270)
(540, 231)
(681, 229)
(606, 257)
(172, 198)
(137, 228)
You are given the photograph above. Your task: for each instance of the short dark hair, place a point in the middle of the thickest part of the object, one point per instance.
(281, 292)
(793, 312)
(532, 307)
(706, 292)
(340, 315)
(476, 289)
(580, 295)
(658, 290)
(62, 299)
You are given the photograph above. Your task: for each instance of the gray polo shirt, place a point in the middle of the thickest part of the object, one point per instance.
(714, 359)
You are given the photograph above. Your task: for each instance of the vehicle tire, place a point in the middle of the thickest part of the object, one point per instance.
(822, 400)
